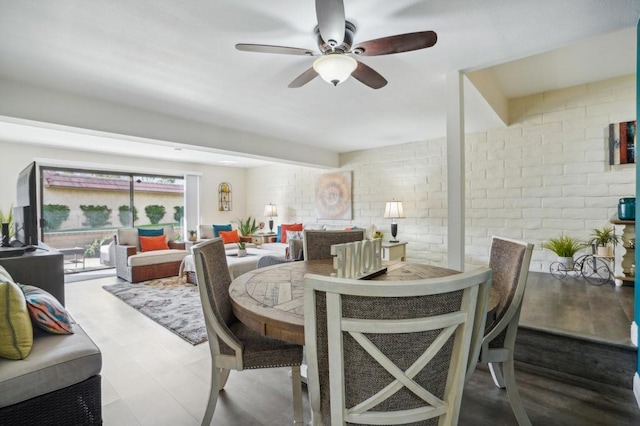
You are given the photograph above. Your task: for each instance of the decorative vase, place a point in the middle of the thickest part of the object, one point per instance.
(567, 262)
(242, 252)
(604, 251)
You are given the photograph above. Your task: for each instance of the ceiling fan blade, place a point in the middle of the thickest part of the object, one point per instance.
(331, 20)
(303, 78)
(396, 44)
(368, 76)
(265, 48)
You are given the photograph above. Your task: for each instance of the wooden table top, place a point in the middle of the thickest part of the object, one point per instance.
(270, 300)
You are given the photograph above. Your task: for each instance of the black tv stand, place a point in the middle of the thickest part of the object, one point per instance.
(41, 268)
(11, 251)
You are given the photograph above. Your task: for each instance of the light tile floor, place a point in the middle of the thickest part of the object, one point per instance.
(150, 376)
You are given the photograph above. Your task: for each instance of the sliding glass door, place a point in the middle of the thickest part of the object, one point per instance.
(81, 209)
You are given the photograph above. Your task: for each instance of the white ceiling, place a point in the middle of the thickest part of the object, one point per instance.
(177, 58)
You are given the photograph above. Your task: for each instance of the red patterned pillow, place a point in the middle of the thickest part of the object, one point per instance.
(153, 243)
(45, 310)
(290, 227)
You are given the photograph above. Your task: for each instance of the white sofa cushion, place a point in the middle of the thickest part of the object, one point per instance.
(55, 362)
(156, 256)
(314, 226)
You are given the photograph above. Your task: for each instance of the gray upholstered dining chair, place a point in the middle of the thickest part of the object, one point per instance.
(384, 352)
(317, 244)
(265, 261)
(509, 261)
(233, 345)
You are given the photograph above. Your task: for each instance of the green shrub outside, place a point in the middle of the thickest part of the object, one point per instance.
(178, 214)
(155, 213)
(54, 215)
(97, 216)
(124, 216)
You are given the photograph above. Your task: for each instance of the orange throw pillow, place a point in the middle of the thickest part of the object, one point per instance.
(290, 227)
(229, 236)
(154, 243)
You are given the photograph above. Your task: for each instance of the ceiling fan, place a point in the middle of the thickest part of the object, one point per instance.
(336, 60)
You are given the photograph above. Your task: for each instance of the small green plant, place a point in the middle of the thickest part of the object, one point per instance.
(54, 215)
(93, 248)
(8, 218)
(603, 237)
(242, 245)
(192, 232)
(247, 227)
(155, 213)
(97, 216)
(564, 246)
(125, 216)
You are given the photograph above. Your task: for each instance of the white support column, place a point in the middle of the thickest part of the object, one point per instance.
(191, 203)
(455, 171)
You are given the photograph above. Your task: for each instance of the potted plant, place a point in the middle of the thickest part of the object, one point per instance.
(242, 249)
(603, 239)
(564, 247)
(192, 235)
(246, 228)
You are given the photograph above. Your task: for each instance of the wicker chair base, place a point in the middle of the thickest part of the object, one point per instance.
(152, 272)
(79, 404)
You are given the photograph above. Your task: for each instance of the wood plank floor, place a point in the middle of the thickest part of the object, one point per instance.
(152, 377)
(575, 307)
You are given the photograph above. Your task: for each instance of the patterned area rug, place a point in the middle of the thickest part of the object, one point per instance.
(168, 301)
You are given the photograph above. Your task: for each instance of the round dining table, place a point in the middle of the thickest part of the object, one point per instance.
(271, 300)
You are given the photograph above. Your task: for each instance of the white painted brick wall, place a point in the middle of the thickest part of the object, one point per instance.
(545, 174)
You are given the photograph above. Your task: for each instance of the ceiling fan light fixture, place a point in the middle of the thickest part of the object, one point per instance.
(335, 68)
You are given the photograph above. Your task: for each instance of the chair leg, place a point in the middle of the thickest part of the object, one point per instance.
(496, 373)
(224, 375)
(214, 390)
(296, 386)
(514, 395)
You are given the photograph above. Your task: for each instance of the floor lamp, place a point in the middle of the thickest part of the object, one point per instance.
(393, 211)
(270, 211)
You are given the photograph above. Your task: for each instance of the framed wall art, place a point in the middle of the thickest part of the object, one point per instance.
(622, 143)
(333, 196)
(224, 197)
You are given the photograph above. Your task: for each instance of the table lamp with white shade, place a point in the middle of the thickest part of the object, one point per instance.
(270, 211)
(393, 211)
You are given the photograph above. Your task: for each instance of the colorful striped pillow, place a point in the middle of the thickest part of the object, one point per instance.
(45, 310)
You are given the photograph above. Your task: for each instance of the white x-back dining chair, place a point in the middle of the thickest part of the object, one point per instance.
(233, 345)
(388, 352)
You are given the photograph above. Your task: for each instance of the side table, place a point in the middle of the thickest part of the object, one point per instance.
(624, 273)
(259, 239)
(393, 251)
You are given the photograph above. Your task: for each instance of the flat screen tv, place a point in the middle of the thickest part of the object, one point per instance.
(25, 212)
